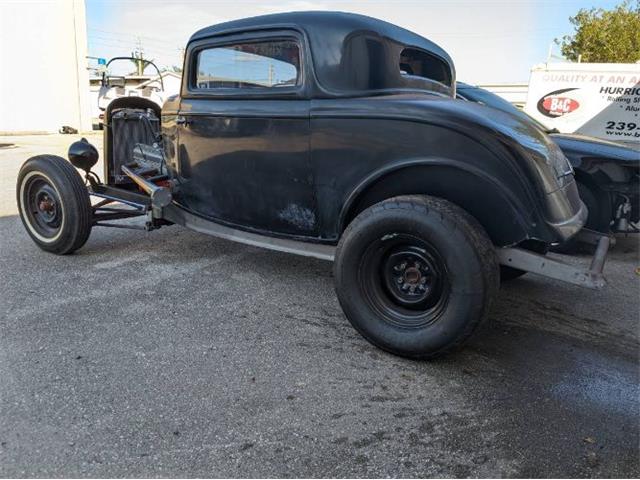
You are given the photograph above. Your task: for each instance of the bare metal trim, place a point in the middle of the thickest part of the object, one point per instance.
(592, 237)
(181, 217)
(552, 268)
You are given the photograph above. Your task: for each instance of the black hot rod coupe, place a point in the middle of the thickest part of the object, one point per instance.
(335, 136)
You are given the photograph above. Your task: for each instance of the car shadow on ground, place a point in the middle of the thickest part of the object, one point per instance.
(527, 304)
(534, 329)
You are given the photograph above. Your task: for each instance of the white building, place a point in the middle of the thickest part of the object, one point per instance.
(515, 93)
(44, 83)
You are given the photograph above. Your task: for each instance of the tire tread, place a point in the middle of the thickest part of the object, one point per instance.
(79, 205)
(454, 218)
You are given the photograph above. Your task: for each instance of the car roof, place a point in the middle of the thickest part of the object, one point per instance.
(338, 42)
(321, 21)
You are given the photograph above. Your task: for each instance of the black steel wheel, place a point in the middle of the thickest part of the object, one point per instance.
(54, 204)
(404, 278)
(415, 275)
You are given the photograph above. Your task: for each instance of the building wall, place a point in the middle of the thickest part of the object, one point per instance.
(515, 93)
(44, 83)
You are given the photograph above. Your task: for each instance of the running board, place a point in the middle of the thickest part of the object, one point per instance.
(180, 216)
(552, 268)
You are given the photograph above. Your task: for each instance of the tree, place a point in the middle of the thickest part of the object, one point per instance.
(605, 36)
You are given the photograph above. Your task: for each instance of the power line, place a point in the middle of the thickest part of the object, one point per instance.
(121, 34)
(129, 43)
(132, 45)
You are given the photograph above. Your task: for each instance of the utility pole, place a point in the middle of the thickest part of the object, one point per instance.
(139, 58)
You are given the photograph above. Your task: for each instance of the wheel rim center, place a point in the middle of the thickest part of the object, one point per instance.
(43, 205)
(405, 279)
(46, 205)
(412, 275)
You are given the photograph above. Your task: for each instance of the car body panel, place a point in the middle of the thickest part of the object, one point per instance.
(351, 55)
(609, 166)
(247, 163)
(300, 162)
(578, 148)
(429, 145)
(575, 146)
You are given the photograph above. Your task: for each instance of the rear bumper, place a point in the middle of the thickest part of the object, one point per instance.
(567, 213)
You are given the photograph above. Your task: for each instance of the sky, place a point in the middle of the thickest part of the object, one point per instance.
(490, 41)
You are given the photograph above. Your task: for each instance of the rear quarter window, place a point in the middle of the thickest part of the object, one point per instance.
(418, 63)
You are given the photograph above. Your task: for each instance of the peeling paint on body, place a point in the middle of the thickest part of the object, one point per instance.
(298, 216)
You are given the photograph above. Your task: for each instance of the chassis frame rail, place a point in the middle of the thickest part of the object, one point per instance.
(557, 269)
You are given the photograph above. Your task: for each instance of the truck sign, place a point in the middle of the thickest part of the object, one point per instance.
(555, 104)
(599, 100)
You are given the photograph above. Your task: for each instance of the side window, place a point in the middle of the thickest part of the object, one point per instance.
(422, 64)
(256, 65)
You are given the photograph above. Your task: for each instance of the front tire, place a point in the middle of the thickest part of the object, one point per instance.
(54, 204)
(415, 275)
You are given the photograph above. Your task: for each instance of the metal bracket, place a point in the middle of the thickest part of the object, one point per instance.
(591, 237)
(552, 268)
(133, 199)
(160, 196)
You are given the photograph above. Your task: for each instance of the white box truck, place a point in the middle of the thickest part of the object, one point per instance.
(596, 99)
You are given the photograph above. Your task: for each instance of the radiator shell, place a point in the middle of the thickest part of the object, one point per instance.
(130, 126)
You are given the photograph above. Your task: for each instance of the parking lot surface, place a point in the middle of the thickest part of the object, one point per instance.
(171, 353)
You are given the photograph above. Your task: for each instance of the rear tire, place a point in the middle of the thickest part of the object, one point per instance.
(54, 204)
(509, 273)
(415, 275)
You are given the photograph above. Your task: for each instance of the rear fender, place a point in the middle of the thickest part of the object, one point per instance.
(502, 212)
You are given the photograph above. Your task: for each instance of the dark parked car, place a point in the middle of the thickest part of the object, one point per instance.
(607, 173)
(335, 136)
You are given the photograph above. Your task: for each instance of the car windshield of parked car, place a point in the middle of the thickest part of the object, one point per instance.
(271, 64)
(419, 63)
(480, 95)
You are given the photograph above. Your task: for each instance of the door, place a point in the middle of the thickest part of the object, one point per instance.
(244, 136)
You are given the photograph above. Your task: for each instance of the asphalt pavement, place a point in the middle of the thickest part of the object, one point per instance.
(170, 353)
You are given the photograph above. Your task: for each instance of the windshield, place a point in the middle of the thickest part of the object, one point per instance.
(480, 95)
